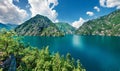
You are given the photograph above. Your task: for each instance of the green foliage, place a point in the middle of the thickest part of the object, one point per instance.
(52, 30)
(8, 43)
(65, 27)
(108, 25)
(38, 26)
(33, 59)
(1, 69)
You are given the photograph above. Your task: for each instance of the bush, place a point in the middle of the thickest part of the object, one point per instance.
(33, 59)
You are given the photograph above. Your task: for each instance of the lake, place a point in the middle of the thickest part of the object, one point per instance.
(96, 53)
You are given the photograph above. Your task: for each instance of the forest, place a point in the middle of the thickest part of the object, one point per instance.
(27, 58)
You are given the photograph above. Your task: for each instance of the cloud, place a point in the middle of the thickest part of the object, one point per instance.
(102, 2)
(44, 7)
(97, 9)
(110, 3)
(27, 6)
(89, 13)
(78, 23)
(118, 7)
(9, 13)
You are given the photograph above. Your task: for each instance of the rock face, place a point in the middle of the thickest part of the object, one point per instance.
(108, 25)
(65, 27)
(38, 26)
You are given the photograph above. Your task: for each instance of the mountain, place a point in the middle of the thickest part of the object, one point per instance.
(7, 26)
(65, 27)
(3, 26)
(38, 26)
(108, 25)
(11, 26)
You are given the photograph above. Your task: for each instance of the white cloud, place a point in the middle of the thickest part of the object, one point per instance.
(27, 6)
(97, 9)
(102, 2)
(43, 7)
(118, 7)
(9, 13)
(56, 20)
(89, 13)
(110, 3)
(78, 23)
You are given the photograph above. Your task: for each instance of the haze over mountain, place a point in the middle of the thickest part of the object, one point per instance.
(7, 26)
(108, 25)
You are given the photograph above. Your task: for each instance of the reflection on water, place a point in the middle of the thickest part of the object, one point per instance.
(97, 54)
(77, 41)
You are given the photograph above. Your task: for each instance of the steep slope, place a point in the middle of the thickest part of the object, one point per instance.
(38, 26)
(108, 25)
(65, 27)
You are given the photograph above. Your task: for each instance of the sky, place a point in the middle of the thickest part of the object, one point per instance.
(74, 12)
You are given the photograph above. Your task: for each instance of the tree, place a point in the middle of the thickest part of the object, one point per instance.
(33, 59)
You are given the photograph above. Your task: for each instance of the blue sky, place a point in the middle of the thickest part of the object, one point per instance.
(72, 11)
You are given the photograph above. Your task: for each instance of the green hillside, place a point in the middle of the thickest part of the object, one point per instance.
(108, 25)
(38, 26)
(65, 27)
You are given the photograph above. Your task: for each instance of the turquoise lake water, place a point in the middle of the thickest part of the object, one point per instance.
(96, 53)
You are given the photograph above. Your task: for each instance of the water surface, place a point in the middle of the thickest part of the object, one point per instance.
(96, 53)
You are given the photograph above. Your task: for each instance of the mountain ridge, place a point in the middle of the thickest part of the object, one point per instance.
(108, 25)
(38, 26)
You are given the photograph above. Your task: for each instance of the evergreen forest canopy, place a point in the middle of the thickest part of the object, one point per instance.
(34, 59)
(108, 25)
